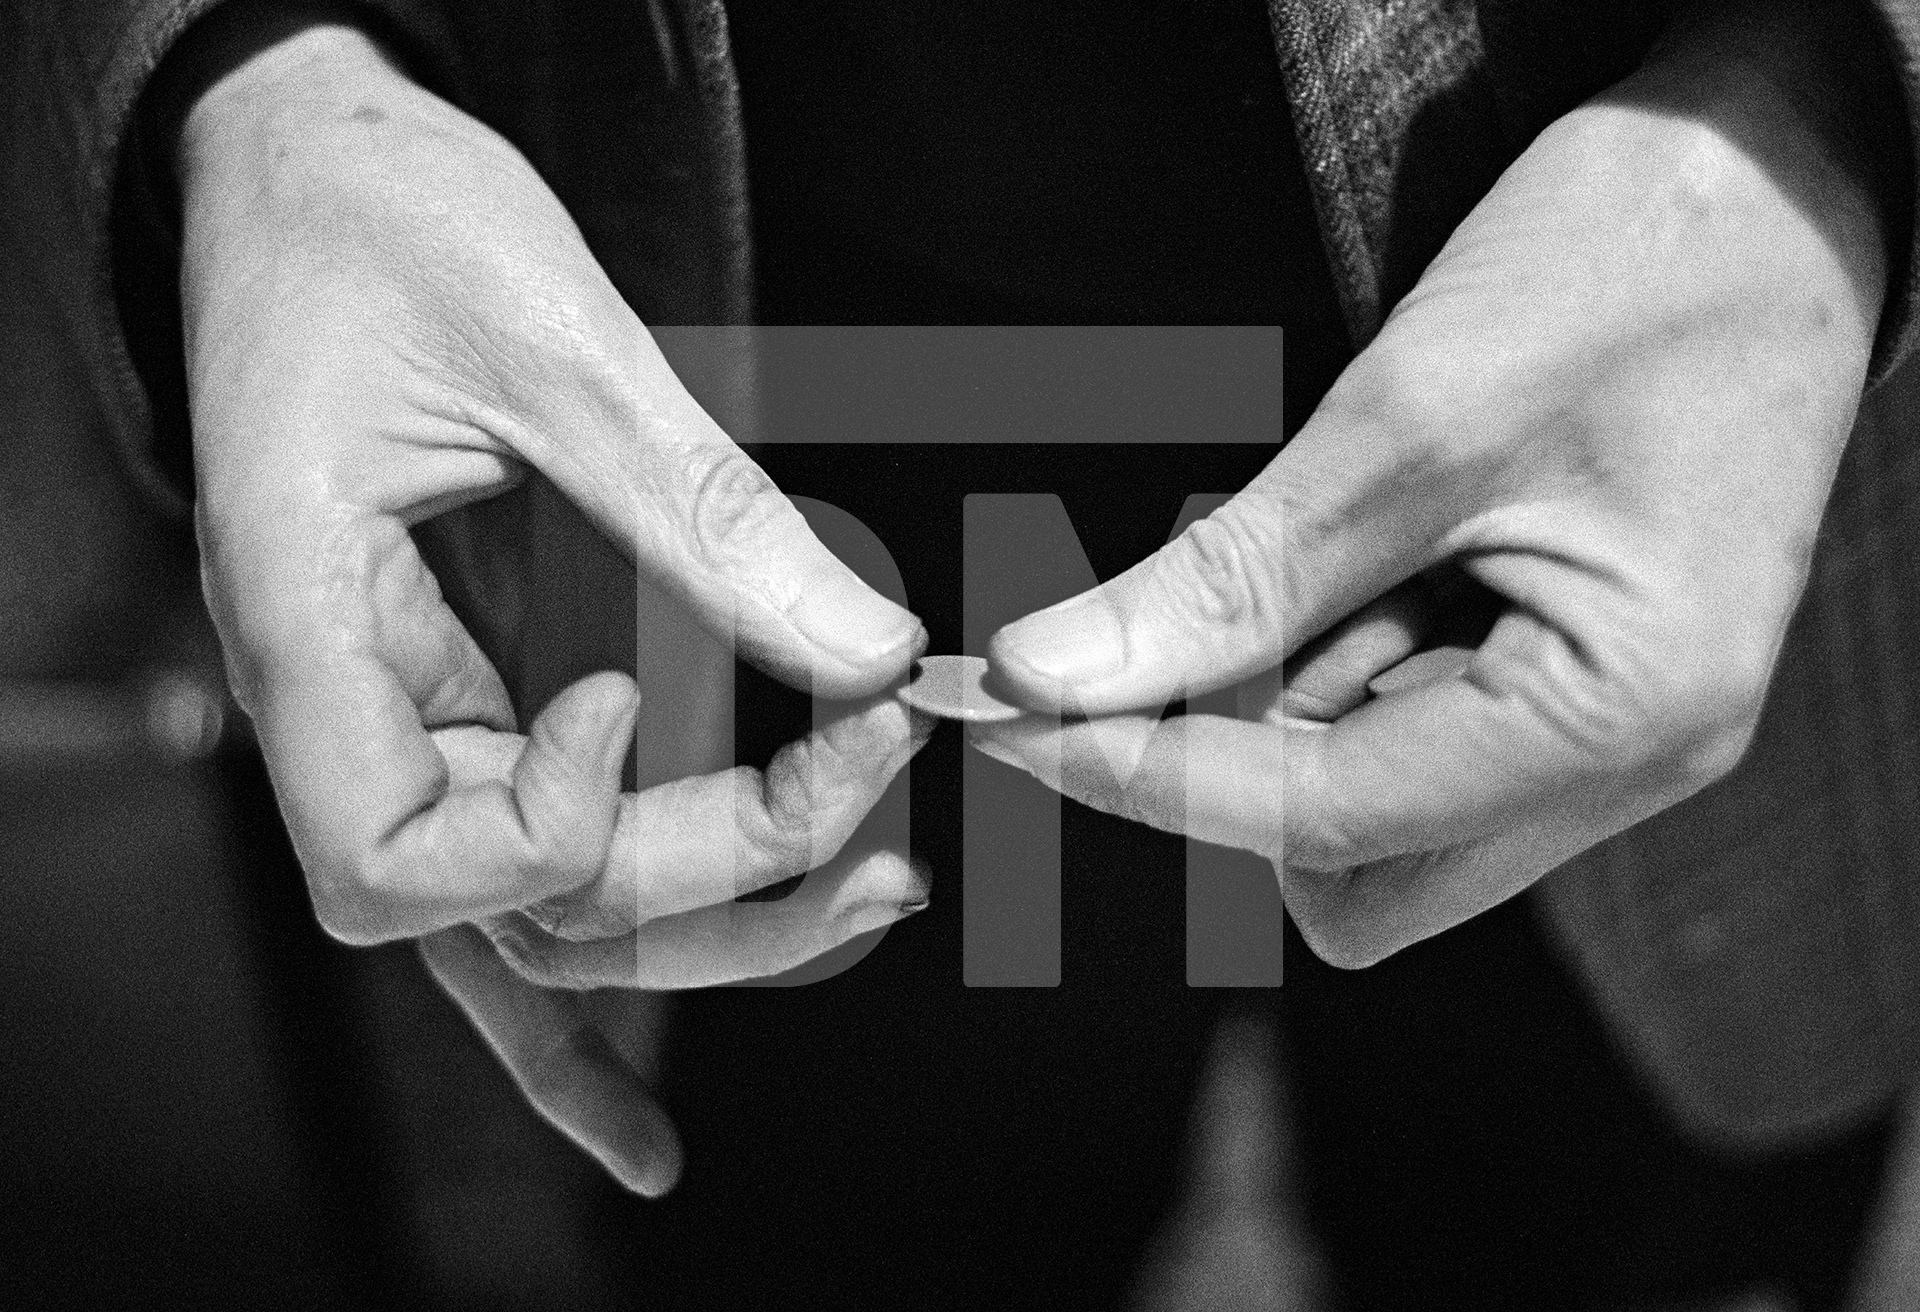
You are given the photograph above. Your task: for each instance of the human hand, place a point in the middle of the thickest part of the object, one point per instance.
(387, 315)
(1615, 401)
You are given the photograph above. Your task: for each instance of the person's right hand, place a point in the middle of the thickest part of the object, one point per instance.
(387, 315)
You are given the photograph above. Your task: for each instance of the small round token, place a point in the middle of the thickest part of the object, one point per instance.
(951, 688)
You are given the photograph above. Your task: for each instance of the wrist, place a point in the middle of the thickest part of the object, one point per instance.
(1809, 94)
(252, 76)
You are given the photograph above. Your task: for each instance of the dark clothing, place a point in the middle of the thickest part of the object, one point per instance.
(1406, 115)
(1095, 163)
(1017, 1149)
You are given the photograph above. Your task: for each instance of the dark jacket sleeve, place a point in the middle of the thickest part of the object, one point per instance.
(77, 209)
(1900, 329)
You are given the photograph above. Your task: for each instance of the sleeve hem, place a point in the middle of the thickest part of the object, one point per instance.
(1899, 24)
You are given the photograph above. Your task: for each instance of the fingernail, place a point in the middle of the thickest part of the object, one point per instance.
(515, 949)
(1076, 643)
(910, 908)
(551, 914)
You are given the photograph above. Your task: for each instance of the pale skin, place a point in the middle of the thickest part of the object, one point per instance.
(1616, 400)
(366, 348)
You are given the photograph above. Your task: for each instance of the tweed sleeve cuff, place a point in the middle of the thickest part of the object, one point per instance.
(1899, 328)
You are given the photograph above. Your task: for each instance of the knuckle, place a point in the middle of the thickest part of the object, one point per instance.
(1676, 720)
(565, 840)
(1219, 575)
(735, 504)
(1398, 384)
(778, 822)
(1338, 938)
(358, 902)
(349, 919)
(899, 883)
(1359, 916)
(1713, 718)
(1348, 953)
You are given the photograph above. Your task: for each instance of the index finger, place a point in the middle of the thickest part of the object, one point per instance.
(708, 839)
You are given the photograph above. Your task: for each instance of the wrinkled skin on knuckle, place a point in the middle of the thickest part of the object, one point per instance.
(567, 851)
(794, 813)
(1218, 574)
(1402, 388)
(736, 509)
(561, 855)
(776, 821)
(1671, 717)
(408, 623)
(542, 772)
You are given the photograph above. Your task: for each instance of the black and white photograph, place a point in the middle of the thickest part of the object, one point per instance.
(997, 655)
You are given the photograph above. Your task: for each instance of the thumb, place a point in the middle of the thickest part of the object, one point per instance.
(1333, 522)
(703, 521)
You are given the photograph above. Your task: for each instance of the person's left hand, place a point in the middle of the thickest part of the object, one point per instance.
(1615, 402)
